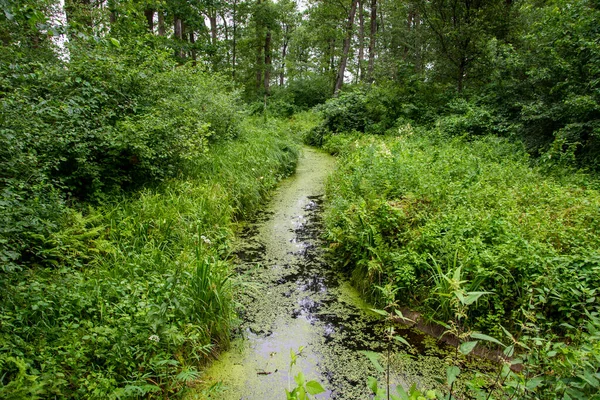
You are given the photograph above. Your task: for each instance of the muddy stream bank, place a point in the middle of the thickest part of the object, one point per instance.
(291, 297)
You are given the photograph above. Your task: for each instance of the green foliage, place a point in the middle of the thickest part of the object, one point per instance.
(443, 219)
(401, 209)
(130, 298)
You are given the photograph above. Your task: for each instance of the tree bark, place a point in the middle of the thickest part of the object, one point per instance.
(234, 39)
(268, 62)
(212, 17)
(193, 41)
(346, 49)
(331, 64)
(283, 54)
(178, 33)
(149, 13)
(161, 23)
(361, 41)
(372, 34)
(177, 27)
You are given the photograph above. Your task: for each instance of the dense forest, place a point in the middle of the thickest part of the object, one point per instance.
(136, 136)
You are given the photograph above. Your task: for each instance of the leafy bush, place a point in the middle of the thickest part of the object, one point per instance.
(131, 298)
(402, 205)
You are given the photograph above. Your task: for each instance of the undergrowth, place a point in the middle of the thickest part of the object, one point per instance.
(409, 210)
(130, 298)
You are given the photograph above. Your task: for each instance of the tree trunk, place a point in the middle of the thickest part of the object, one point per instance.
(259, 63)
(346, 49)
(149, 13)
(234, 39)
(268, 62)
(372, 33)
(283, 54)
(226, 32)
(213, 27)
(331, 64)
(193, 41)
(161, 23)
(177, 27)
(361, 41)
(178, 33)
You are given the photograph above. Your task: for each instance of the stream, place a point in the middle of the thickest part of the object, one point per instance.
(290, 297)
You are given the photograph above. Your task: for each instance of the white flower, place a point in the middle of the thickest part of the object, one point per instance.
(154, 338)
(205, 239)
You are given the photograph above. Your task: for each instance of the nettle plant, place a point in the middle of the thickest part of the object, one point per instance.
(304, 389)
(455, 301)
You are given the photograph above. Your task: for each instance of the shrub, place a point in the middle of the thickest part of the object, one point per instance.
(132, 297)
(401, 205)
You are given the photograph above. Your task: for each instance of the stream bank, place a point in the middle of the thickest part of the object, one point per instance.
(290, 297)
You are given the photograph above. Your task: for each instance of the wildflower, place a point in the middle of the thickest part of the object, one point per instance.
(154, 338)
(205, 239)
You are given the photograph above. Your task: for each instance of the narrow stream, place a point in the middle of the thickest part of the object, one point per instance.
(291, 298)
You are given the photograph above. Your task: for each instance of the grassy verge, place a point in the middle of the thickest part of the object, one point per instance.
(425, 217)
(139, 293)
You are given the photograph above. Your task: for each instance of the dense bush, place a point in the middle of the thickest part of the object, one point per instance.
(97, 125)
(132, 297)
(378, 108)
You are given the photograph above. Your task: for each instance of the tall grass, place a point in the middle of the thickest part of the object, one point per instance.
(141, 295)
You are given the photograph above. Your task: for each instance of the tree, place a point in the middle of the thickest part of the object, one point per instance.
(346, 48)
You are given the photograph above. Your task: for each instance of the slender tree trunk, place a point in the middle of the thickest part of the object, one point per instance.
(161, 23)
(461, 75)
(418, 47)
(178, 33)
(283, 54)
(149, 13)
(361, 40)
(226, 32)
(372, 33)
(259, 67)
(177, 28)
(346, 49)
(268, 63)
(212, 17)
(331, 65)
(193, 41)
(234, 40)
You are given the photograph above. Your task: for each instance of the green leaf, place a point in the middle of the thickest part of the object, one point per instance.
(402, 392)
(372, 384)
(459, 296)
(401, 340)
(374, 358)
(467, 347)
(299, 379)
(486, 338)
(534, 383)
(472, 297)
(314, 387)
(381, 312)
(115, 42)
(451, 374)
(509, 351)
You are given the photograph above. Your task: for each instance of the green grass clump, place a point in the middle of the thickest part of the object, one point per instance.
(135, 296)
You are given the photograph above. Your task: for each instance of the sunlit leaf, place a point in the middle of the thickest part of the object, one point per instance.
(452, 373)
(314, 387)
(467, 347)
